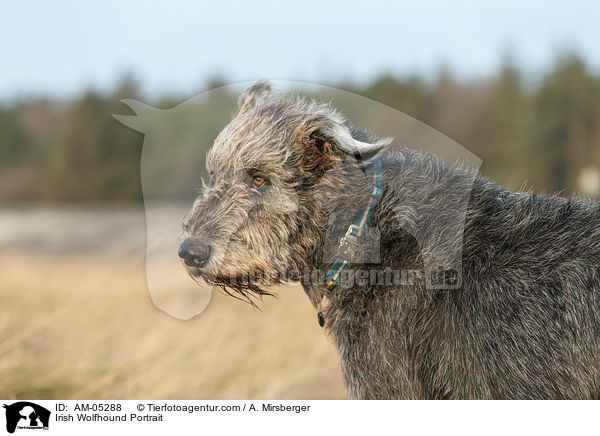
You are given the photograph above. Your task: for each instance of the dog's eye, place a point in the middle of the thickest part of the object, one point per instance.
(258, 181)
(213, 179)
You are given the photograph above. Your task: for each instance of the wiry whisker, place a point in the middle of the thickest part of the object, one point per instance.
(246, 298)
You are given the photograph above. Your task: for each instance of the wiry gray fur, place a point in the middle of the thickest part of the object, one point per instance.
(525, 322)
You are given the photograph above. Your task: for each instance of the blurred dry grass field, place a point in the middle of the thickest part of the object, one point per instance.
(75, 327)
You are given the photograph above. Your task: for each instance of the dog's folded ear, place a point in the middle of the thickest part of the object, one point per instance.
(352, 144)
(254, 95)
(326, 141)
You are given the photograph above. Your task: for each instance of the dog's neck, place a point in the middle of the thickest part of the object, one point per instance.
(418, 193)
(357, 184)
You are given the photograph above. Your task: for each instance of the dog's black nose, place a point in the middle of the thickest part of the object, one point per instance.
(193, 252)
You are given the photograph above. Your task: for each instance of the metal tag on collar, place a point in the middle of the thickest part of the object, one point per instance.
(348, 243)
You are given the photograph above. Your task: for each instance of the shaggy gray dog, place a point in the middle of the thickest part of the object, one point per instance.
(520, 317)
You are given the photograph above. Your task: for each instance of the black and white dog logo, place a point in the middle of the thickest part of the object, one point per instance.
(26, 415)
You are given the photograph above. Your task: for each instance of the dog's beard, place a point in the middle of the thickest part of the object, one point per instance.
(247, 292)
(244, 287)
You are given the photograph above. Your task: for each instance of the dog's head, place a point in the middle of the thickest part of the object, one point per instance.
(259, 215)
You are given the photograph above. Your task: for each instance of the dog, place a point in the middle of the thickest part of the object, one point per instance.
(294, 188)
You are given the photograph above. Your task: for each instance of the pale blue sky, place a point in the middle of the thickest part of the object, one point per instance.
(60, 47)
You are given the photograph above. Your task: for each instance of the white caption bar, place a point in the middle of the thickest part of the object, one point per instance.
(148, 417)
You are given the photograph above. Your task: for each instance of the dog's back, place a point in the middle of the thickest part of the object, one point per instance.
(524, 323)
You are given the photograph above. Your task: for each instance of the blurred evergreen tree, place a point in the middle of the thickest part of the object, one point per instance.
(14, 143)
(91, 156)
(503, 130)
(409, 96)
(567, 122)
